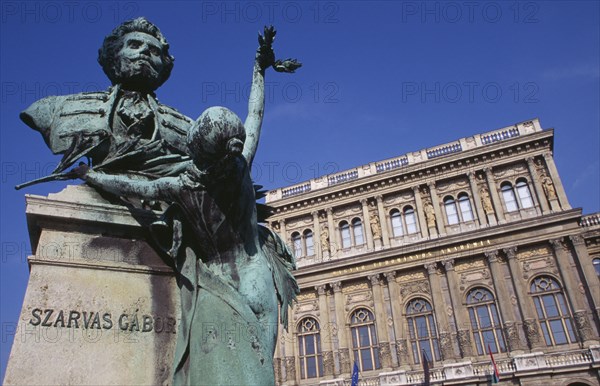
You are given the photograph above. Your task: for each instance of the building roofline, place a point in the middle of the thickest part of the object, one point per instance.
(408, 159)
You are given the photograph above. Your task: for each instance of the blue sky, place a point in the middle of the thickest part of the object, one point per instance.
(379, 79)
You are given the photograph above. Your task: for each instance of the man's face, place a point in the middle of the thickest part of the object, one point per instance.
(140, 60)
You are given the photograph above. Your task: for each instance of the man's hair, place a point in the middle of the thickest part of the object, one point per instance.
(107, 54)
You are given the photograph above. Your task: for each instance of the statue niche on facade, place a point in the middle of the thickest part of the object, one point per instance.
(232, 272)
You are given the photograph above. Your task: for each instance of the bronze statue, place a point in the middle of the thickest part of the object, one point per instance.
(232, 272)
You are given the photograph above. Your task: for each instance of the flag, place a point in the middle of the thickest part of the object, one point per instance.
(355, 375)
(425, 369)
(495, 372)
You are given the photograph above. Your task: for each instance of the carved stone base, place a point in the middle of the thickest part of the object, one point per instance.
(464, 342)
(531, 332)
(328, 366)
(98, 297)
(385, 356)
(446, 348)
(344, 354)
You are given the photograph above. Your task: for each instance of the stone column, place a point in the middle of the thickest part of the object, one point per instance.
(277, 360)
(284, 232)
(494, 194)
(381, 322)
(570, 285)
(383, 220)
(395, 303)
(560, 190)
(537, 187)
(340, 317)
(420, 214)
(445, 330)
(502, 295)
(435, 201)
(326, 335)
(589, 273)
(317, 236)
(476, 199)
(460, 314)
(532, 331)
(367, 224)
(334, 235)
(289, 361)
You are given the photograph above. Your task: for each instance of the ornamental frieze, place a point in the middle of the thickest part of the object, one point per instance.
(469, 264)
(527, 252)
(411, 276)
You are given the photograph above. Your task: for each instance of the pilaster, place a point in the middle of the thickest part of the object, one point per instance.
(340, 316)
(489, 176)
(385, 234)
(476, 199)
(381, 322)
(420, 213)
(368, 233)
(560, 190)
(537, 187)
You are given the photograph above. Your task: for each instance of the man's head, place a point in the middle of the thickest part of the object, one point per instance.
(136, 55)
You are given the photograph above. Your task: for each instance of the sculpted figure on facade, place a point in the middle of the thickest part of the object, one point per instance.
(374, 221)
(548, 187)
(230, 270)
(429, 214)
(324, 239)
(486, 201)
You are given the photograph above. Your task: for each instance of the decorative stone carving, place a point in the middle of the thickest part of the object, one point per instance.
(583, 325)
(492, 256)
(464, 342)
(512, 336)
(421, 286)
(510, 253)
(548, 187)
(429, 214)
(390, 276)
(290, 369)
(469, 264)
(411, 276)
(431, 268)
(277, 368)
(375, 280)
(306, 296)
(449, 264)
(577, 240)
(321, 290)
(486, 201)
(324, 237)
(531, 332)
(337, 286)
(356, 287)
(328, 365)
(446, 345)
(557, 244)
(344, 360)
(533, 251)
(384, 354)
(375, 225)
(402, 351)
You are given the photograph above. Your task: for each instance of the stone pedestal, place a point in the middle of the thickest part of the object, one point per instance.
(101, 306)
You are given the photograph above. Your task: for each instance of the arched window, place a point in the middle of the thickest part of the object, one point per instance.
(411, 221)
(524, 194)
(364, 340)
(397, 227)
(308, 242)
(465, 207)
(345, 232)
(422, 331)
(485, 322)
(451, 212)
(553, 311)
(508, 195)
(309, 349)
(357, 232)
(596, 263)
(297, 243)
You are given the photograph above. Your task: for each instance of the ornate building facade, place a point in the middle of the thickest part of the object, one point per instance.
(449, 254)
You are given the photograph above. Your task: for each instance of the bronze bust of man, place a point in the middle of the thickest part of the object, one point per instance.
(125, 127)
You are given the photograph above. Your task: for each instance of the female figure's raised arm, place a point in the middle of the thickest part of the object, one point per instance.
(265, 58)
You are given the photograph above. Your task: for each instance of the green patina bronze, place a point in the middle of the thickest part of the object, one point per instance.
(234, 274)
